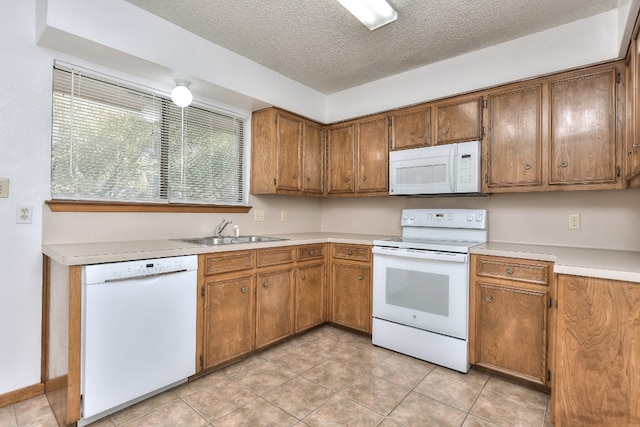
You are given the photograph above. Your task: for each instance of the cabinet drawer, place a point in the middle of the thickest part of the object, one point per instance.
(224, 263)
(310, 252)
(276, 256)
(523, 271)
(352, 252)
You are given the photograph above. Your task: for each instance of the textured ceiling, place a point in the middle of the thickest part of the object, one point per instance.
(319, 44)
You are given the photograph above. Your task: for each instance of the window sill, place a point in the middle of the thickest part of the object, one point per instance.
(86, 206)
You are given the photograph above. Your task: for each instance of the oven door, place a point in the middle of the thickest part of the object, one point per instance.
(424, 289)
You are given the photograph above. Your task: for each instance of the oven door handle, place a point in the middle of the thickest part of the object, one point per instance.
(419, 254)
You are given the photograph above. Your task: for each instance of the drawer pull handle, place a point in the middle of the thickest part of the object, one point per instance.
(244, 289)
(265, 285)
(509, 270)
(360, 277)
(311, 253)
(489, 299)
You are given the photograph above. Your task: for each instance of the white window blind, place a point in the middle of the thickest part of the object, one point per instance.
(113, 140)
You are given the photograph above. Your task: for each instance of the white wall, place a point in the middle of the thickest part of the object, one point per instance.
(105, 39)
(25, 112)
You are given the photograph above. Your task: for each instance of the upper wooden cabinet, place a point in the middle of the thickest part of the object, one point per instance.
(373, 155)
(582, 129)
(358, 157)
(287, 153)
(458, 121)
(513, 143)
(557, 133)
(632, 146)
(340, 158)
(411, 128)
(312, 158)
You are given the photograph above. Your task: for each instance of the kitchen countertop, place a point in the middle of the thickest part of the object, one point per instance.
(101, 252)
(600, 263)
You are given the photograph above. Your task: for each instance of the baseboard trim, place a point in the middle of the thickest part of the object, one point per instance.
(21, 394)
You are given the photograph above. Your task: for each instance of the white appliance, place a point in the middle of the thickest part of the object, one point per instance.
(442, 169)
(138, 331)
(421, 285)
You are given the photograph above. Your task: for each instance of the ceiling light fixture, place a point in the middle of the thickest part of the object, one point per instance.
(181, 95)
(372, 13)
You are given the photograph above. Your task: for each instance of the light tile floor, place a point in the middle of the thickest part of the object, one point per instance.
(326, 377)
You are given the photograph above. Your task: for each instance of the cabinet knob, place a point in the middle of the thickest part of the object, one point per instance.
(349, 252)
(308, 179)
(564, 164)
(488, 299)
(421, 135)
(509, 270)
(303, 277)
(360, 277)
(265, 285)
(295, 176)
(312, 253)
(527, 166)
(347, 179)
(445, 131)
(244, 289)
(364, 178)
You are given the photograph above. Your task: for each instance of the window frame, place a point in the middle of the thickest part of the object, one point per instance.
(88, 205)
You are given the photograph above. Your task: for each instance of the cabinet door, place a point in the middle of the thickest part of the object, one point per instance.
(274, 306)
(459, 122)
(289, 145)
(310, 291)
(351, 296)
(411, 129)
(373, 156)
(595, 380)
(583, 139)
(340, 157)
(228, 319)
(514, 138)
(313, 158)
(512, 331)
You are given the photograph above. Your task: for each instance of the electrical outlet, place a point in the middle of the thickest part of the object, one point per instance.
(574, 221)
(258, 215)
(23, 214)
(283, 216)
(4, 187)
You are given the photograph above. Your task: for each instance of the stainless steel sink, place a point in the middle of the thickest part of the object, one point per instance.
(216, 241)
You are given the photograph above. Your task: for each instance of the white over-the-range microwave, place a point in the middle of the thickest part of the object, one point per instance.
(442, 169)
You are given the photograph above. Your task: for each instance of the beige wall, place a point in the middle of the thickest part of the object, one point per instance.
(610, 219)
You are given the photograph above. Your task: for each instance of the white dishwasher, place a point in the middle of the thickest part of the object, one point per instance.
(138, 331)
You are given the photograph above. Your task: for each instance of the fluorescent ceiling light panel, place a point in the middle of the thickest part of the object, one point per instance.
(372, 13)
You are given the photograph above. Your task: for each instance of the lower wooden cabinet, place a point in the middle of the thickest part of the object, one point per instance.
(597, 369)
(310, 296)
(509, 316)
(251, 299)
(274, 306)
(228, 319)
(351, 286)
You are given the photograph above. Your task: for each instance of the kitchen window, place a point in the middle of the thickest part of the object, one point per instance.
(116, 141)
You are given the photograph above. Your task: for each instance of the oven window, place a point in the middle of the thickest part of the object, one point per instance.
(417, 290)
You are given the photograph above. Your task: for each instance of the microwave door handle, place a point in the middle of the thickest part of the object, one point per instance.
(452, 167)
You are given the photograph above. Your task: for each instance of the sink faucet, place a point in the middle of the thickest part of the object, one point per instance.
(221, 227)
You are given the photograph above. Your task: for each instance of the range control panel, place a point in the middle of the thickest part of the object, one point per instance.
(445, 218)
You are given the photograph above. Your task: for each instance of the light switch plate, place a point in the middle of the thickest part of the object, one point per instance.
(4, 188)
(258, 215)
